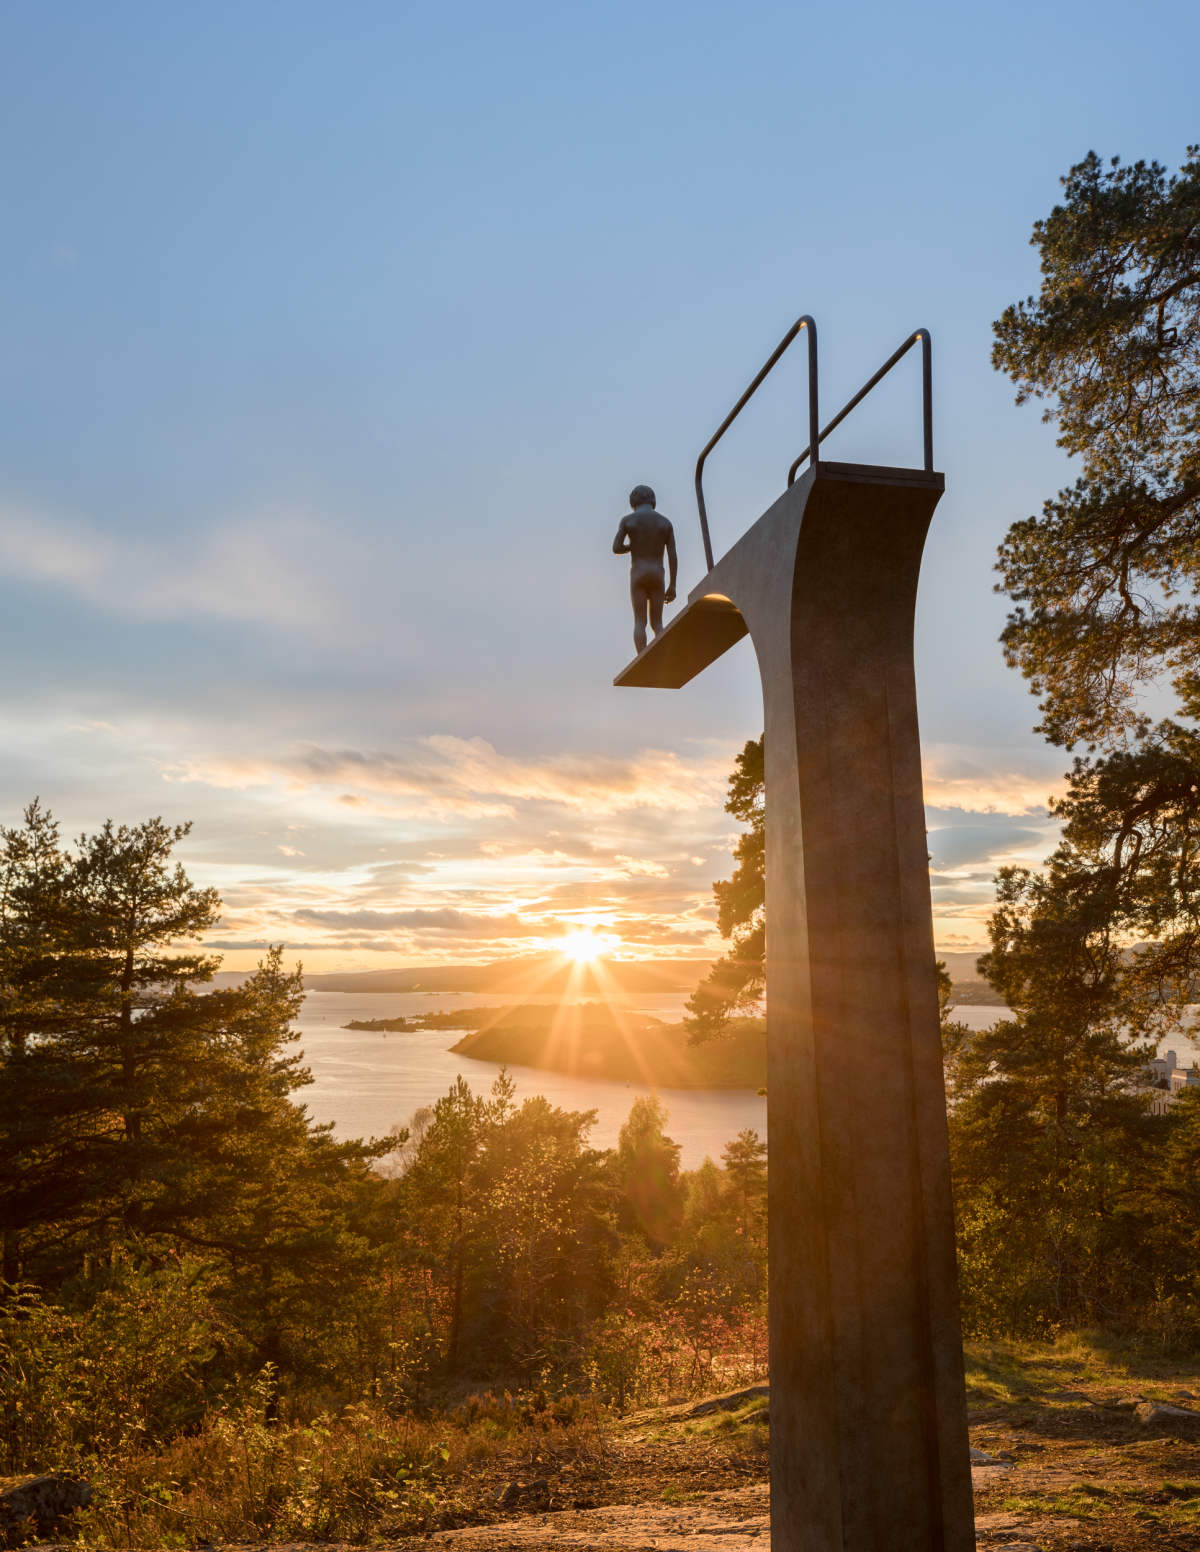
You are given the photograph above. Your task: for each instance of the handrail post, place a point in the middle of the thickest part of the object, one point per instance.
(814, 419)
(708, 554)
(804, 322)
(926, 400)
(816, 436)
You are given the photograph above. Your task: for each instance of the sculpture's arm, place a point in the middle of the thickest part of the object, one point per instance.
(673, 562)
(621, 543)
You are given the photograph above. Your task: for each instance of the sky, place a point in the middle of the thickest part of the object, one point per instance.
(334, 339)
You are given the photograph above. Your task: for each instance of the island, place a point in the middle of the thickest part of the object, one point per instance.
(598, 1040)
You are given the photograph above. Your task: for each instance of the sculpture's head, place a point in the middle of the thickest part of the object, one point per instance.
(641, 496)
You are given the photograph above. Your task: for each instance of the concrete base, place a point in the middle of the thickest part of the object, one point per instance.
(868, 1429)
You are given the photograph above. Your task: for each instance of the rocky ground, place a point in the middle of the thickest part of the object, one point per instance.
(1068, 1457)
(1070, 1454)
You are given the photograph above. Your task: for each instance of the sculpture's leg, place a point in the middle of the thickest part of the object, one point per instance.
(656, 610)
(868, 1419)
(637, 595)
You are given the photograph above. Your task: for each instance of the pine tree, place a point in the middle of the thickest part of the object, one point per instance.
(1048, 1119)
(138, 1113)
(1099, 955)
(735, 982)
(745, 1162)
(1104, 581)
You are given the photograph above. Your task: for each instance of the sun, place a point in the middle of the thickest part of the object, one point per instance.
(583, 945)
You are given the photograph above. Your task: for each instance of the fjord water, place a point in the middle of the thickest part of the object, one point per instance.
(367, 1082)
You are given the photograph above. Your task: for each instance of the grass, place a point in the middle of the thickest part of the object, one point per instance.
(1080, 1460)
(750, 1415)
(1023, 1372)
(1068, 1503)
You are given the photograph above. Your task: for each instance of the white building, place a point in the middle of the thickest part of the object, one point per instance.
(1166, 1078)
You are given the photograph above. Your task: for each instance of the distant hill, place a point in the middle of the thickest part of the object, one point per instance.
(968, 988)
(961, 966)
(546, 975)
(550, 975)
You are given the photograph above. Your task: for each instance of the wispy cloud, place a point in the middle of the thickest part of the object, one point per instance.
(437, 919)
(515, 848)
(458, 848)
(443, 774)
(969, 780)
(960, 846)
(266, 567)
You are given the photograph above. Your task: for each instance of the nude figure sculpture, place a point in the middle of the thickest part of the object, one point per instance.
(643, 535)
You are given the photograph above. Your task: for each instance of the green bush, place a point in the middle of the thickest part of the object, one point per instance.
(131, 1366)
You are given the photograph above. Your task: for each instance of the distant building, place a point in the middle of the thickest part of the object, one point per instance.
(1166, 1079)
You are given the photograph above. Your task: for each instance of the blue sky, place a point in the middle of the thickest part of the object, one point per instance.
(334, 338)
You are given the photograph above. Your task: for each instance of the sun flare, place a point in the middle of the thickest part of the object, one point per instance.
(583, 945)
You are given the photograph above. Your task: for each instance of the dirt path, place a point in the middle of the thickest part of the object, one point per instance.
(716, 1522)
(730, 1521)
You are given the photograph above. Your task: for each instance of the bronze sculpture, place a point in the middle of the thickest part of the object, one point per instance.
(643, 535)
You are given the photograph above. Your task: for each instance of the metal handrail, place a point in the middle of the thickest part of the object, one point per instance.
(804, 322)
(926, 402)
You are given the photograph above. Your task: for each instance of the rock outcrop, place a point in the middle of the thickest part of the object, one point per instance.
(37, 1505)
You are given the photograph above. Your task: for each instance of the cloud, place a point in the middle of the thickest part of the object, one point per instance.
(644, 867)
(961, 941)
(442, 774)
(460, 848)
(645, 894)
(34, 548)
(269, 567)
(426, 918)
(963, 779)
(957, 846)
(258, 945)
(519, 847)
(962, 895)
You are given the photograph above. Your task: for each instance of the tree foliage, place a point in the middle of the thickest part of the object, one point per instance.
(193, 1267)
(149, 1123)
(1052, 1137)
(1059, 1163)
(1047, 1124)
(505, 1214)
(139, 1113)
(647, 1170)
(1104, 580)
(735, 982)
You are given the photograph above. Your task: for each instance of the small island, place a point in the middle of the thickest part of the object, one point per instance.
(462, 1018)
(598, 1040)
